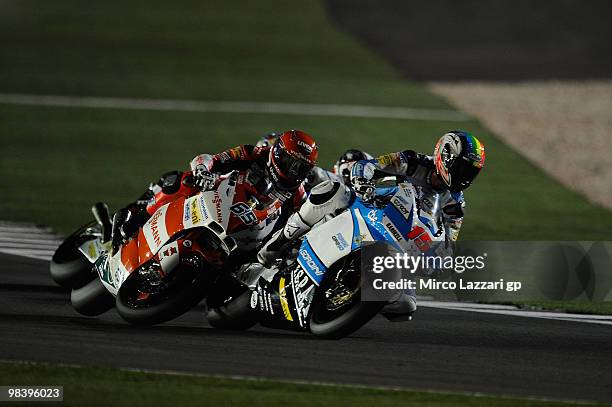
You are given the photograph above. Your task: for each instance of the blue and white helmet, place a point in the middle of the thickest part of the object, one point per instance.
(341, 167)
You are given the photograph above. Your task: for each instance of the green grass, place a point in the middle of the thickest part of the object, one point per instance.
(57, 161)
(574, 307)
(235, 50)
(97, 386)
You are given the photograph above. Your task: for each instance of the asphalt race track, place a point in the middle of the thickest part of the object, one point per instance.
(441, 349)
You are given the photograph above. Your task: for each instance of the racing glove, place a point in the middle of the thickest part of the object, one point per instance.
(203, 178)
(362, 174)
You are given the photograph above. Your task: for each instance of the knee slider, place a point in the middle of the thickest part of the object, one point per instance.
(327, 198)
(323, 192)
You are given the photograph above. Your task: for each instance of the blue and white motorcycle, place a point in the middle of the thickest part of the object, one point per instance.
(317, 287)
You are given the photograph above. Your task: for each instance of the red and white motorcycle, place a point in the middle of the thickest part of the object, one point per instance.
(180, 255)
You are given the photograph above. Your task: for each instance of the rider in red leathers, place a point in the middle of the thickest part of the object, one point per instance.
(273, 173)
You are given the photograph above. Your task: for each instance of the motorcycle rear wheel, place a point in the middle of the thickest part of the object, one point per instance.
(236, 314)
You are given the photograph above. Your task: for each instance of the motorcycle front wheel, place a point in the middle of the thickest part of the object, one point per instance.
(92, 299)
(337, 310)
(145, 301)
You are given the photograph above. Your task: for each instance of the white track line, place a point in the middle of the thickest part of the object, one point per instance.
(7, 227)
(513, 311)
(375, 112)
(34, 238)
(52, 245)
(36, 242)
(18, 241)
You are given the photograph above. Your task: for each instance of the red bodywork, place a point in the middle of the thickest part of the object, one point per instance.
(137, 251)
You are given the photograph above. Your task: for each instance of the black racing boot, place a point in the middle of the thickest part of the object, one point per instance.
(118, 237)
(273, 249)
(100, 213)
(126, 223)
(279, 242)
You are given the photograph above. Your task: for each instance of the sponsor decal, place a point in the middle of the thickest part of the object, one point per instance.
(196, 216)
(155, 227)
(385, 160)
(203, 210)
(187, 213)
(401, 198)
(420, 238)
(273, 214)
(401, 207)
(302, 282)
(311, 263)
(427, 203)
(187, 243)
(283, 299)
(235, 153)
(269, 304)
(254, 297)
(91, 250)
(168, 257)
(260, 297)
(340, 241)
(299, 280)
(397, 235)
(217, 201)
(169, 251)
(281, 196)
(106, 272)
(111, 278)
(474, 157)
(111, 269)
(224, 157)
(372, 217)
(307, 147)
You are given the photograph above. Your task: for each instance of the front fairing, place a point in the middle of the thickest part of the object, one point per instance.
(394, 223)
(288, 296)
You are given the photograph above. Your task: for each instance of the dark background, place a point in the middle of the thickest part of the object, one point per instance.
(484, 40)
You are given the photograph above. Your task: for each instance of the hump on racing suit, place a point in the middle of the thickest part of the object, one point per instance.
(441, 204)
(254, 159)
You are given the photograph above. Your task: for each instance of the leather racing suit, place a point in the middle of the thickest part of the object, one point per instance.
(331, 197)
(244, 157)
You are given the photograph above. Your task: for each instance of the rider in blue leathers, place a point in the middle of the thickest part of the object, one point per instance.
(440, 180)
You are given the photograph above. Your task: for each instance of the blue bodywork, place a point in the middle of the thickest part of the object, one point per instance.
(373, 217)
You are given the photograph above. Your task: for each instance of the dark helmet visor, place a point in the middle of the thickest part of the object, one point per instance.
(463, 173)
(292, 168)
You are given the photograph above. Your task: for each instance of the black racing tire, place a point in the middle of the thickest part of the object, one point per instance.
(236, 314)
(347, 323)
(92, 299)
(175, 305)
(357, 313)
(68, 267)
